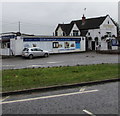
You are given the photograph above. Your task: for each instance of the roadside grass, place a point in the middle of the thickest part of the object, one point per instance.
(19, 79)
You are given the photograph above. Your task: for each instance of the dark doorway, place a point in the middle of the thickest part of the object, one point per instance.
(93, 45)
(109, 45)
(86, 45)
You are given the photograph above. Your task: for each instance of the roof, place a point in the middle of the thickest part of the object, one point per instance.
(90, 23)
(65, 28)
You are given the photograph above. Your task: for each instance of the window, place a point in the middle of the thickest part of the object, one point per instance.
(89, 33)
(109, 34)
(56, 33)
(25, 49)
(75, 32)
(64, 34)
(55, 44)
(35, 49)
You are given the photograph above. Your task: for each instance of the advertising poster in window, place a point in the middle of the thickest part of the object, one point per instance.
(55, 44)
(69, 45)
(61, 45)
(72, 45)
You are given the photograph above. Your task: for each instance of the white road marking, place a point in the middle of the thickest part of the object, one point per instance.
(91, 114)
(5, 98)
(34, 65)
(46, 97)
(7, 65)
(54, 62)
(82, 89)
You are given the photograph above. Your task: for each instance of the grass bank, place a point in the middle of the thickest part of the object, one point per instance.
(19, 79)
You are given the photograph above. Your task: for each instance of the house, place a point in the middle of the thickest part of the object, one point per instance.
(100, 32)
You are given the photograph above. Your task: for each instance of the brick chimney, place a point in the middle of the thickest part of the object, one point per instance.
(83, 19)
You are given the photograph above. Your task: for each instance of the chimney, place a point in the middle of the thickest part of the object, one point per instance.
(83, 19)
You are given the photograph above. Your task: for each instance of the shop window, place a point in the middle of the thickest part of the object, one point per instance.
(55, 44)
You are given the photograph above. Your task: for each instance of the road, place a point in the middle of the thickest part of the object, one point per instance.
(90, 100)
(60, 60)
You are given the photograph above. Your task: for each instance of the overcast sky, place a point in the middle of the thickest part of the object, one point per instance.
(42, 18)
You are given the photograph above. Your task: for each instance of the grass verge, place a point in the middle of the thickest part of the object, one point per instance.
(19, 79)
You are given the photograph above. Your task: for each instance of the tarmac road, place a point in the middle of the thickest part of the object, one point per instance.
(60, 60)
(90, 100)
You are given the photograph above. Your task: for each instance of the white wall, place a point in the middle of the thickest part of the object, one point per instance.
(114, 47)
(105, 27)
(16, 46)
(94, 33)
(59, 32)
(5, 51)
(83, 44)
(104, 45)
(43, 45)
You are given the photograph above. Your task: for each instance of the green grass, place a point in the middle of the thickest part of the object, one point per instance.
(19, 79)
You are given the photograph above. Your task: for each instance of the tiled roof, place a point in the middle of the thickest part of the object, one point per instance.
(65, 28)
(91, 23)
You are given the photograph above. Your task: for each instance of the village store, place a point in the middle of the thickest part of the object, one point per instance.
(50, 43)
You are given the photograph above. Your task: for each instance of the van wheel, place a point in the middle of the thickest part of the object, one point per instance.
(30, 56)
(45, 55)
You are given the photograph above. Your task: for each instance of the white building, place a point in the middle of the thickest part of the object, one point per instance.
(13, 44)
(100, 32)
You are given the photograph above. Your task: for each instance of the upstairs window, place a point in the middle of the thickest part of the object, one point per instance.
(75, 32)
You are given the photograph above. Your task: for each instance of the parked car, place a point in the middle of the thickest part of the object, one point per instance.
(34, 52)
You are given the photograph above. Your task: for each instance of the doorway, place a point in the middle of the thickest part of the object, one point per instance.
(93, 45)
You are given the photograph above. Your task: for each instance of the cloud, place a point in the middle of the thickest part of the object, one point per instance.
(43, 17)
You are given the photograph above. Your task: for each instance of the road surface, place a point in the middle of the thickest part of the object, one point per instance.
(90, 100)
(60, 60)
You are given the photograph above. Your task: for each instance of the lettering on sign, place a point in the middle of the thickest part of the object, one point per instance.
(108, 26)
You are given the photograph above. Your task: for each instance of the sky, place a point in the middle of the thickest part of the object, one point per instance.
(41, 18)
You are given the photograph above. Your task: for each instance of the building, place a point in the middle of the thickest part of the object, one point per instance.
(100, 32)
(13, 44)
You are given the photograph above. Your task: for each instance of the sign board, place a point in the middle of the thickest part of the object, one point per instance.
(115, 42)
(26, 39)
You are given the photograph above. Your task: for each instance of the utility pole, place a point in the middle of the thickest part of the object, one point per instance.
(19, 25)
